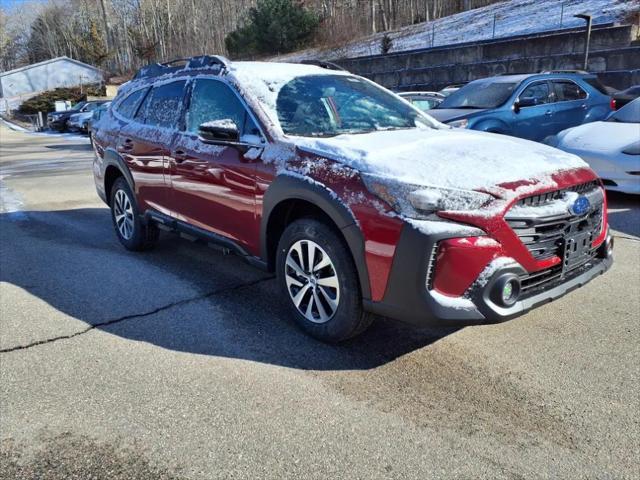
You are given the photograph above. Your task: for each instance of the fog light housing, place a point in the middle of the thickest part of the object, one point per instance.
(506, 290)
(605, 250)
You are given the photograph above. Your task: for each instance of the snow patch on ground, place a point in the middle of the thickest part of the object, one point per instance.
(66, 136)
(10, 202)
(14, 126)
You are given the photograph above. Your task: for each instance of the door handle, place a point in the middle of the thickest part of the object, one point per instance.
(179, 156)
(548, 112)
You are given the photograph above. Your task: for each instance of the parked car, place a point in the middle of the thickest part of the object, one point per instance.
(620, 99)
(449, 89)
(359, 202)
(611, 147)
(58, 120)
(82, 111)
(95, 116)
(80, 121)
(526, 106)
(423, 100)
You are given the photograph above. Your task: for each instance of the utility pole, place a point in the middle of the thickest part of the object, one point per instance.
(587, 18)
(493, 35)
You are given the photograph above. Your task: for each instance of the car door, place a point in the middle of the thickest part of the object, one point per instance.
(145, 142)
(569, 104)
(213, 184)
(535, 120)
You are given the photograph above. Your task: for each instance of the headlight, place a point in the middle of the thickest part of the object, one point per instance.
(422, 202)
(633, 149)
(459, 123)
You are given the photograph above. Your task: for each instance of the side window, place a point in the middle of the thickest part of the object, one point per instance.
(213, 100)
(537, 92)
(566, 91)
(423, 103)
(128, 106)
(163, 105)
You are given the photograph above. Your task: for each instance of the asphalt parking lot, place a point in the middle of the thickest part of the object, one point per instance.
(182, 363)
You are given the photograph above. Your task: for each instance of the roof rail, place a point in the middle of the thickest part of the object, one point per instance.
(323, 64)
(581, 72)
(202, 61)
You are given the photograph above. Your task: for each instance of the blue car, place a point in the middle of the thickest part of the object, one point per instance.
(532, 106)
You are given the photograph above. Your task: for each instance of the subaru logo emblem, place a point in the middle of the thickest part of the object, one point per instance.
(580, 206)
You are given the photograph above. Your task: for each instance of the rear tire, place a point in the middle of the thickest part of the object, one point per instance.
(319, 281)
(132, 232)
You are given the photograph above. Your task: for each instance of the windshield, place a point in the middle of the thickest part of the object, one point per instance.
(630, 113)
(329, 105)
(479, 95)
(78, 106)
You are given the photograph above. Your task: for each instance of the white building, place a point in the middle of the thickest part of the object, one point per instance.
(19, 84)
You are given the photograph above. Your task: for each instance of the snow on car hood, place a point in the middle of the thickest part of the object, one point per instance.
(444, 157)
(599, 137)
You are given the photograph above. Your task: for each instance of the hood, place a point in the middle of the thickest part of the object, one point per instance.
(599, 137)
(449, 157)
(448, 114)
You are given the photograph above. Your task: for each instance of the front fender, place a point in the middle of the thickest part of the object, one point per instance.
(492, 125)
(288, 187)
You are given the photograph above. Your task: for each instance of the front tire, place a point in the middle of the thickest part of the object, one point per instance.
(130, 230)
(319, 281)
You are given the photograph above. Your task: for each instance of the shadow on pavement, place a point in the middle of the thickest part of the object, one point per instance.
(624, 212)
(180, 296)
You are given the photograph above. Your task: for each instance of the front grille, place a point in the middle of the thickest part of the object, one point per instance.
(545, 198)
(545, 234)
(534, 283)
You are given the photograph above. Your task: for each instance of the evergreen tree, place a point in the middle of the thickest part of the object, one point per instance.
(273, 26)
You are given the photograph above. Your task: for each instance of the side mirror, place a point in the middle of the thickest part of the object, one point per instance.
(524, 102)
(217, 131)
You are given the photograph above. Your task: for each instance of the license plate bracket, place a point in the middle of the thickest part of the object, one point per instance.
(577, 250)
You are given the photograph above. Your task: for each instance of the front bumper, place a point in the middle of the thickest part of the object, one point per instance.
(57, 124)
(408, 298)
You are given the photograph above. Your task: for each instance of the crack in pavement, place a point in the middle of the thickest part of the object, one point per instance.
(138, 315)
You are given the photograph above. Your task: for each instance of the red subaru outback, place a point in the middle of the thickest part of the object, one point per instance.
(358, 201)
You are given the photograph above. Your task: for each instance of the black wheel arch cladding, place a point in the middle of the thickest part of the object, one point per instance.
(285, 188)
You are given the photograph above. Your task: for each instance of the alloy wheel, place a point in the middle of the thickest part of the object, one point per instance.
(312, 281)
(123, 214)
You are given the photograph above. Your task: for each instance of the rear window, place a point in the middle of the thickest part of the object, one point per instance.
(567, 91)
(597, 84)
(163, 105)
(127, 107)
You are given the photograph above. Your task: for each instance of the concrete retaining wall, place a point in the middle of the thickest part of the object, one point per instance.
(613, 55)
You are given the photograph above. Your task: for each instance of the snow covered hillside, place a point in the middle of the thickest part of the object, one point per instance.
(513, 17)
